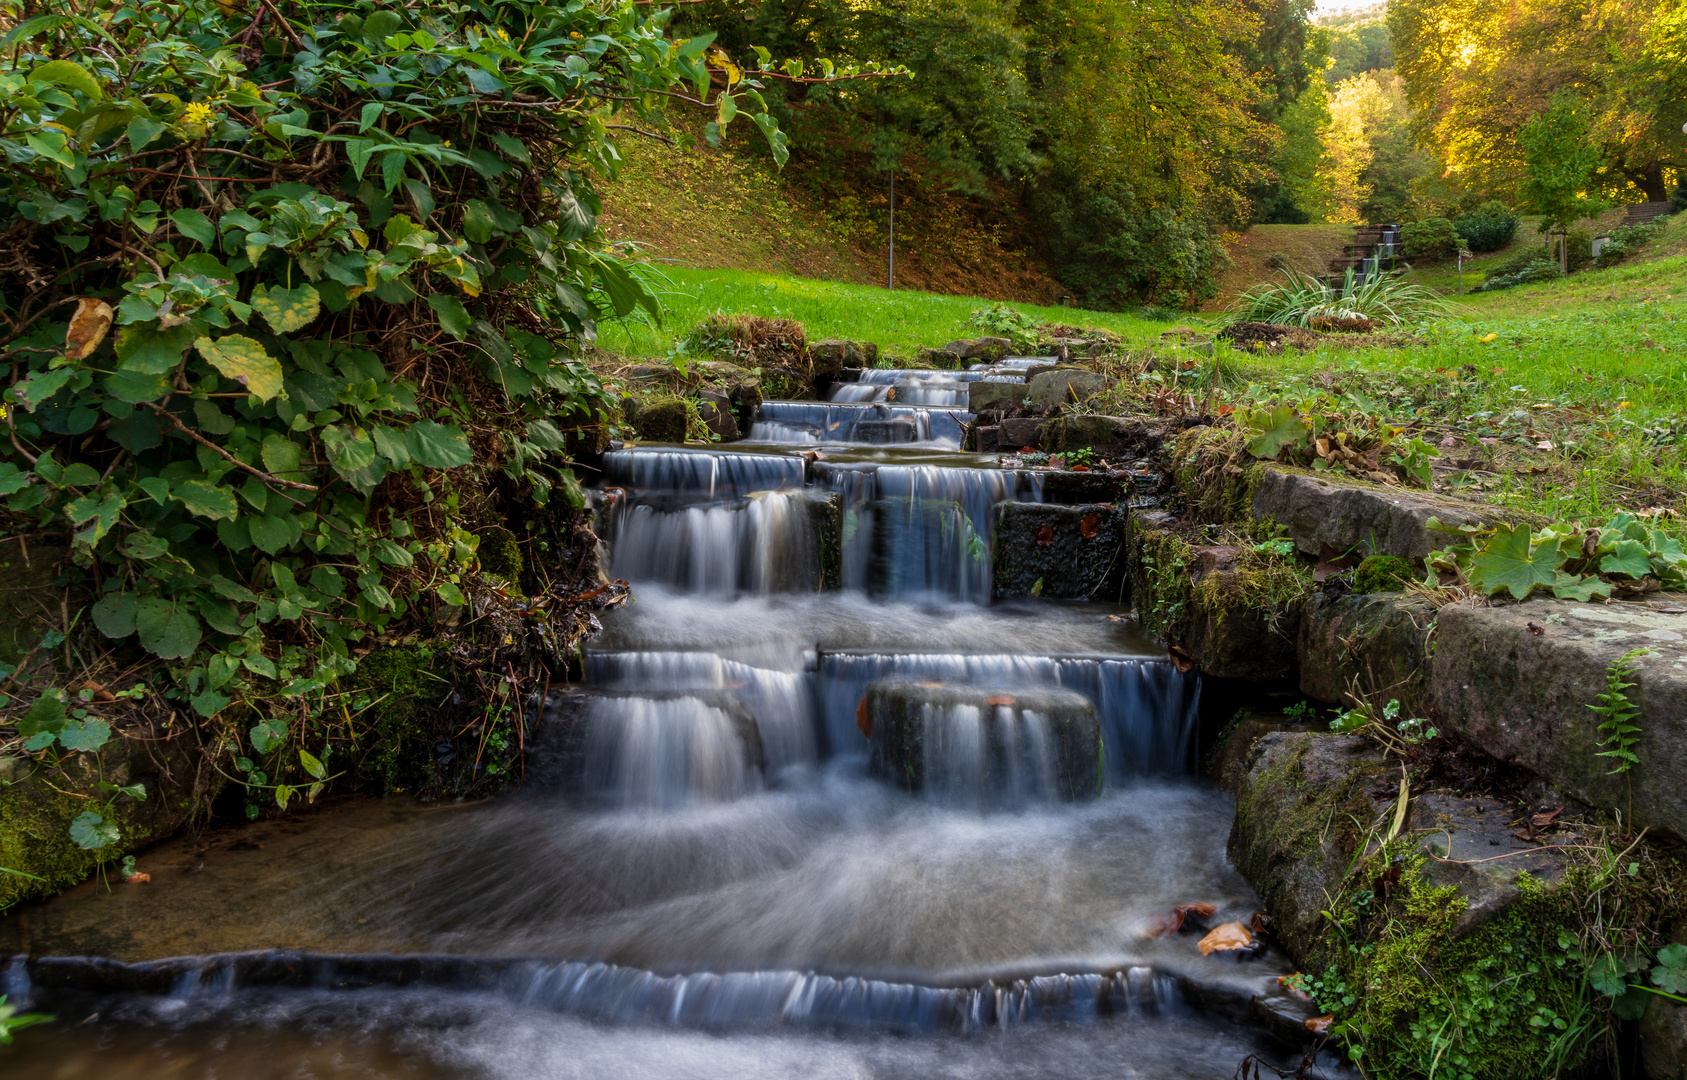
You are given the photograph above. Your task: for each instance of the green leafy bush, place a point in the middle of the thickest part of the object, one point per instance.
(1625, 240)
(1521, 268)
(283, 299)
(1489, 227)
(1431, 239)
(1001, 320)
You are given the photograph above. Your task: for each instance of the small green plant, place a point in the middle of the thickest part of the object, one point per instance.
(1000, 320)
(1084, 456)
(1299, 710)
(1282, 547)
(1396, 735)
(1618, 732)
(1413, 459)
(12, 1021)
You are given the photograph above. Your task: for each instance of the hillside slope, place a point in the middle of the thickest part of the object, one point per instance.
(729, 208)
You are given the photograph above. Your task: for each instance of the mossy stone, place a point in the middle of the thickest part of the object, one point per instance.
(662, 419)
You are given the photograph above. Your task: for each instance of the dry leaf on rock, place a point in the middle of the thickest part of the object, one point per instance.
(1045, 535)
(863, 718)
(1226, 938)
(1320, 1024)
(1001, 699)
(1089, 526)
(1186, 916)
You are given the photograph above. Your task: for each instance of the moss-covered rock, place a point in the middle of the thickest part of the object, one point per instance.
(1062, 387)
(663, 419)
(1062, 552)
(1234, 611)
(1111, 438)
(994, 397)
(1215, 479)
(405, 686)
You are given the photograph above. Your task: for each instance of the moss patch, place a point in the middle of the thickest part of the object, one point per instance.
(1214, 474)
(663, 419)
(405, 690)
(500, 554)
(1382, 573)
(1508, 1001)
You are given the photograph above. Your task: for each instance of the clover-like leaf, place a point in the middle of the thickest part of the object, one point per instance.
(1669, 974)
(1571, 587)
(287, 310)
(85, 735)
(245, 361)
(1511, 562)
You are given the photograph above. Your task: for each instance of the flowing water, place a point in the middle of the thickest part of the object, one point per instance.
(702, 877)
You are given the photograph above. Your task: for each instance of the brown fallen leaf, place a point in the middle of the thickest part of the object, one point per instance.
(1002, 699)
(88, 327)
(1546, 820)
(1260, 923)
(1182, 660)
(138, 878)
(863, 718)
(1535, 630)
(1227, 938)
(1186, 917)
(1320, 1024)
(1089, 526)
(1045, 535)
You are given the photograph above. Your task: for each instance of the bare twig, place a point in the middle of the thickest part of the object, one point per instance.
(177, 425)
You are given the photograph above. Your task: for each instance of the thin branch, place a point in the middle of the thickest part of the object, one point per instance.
(177, 425)
(640, 131)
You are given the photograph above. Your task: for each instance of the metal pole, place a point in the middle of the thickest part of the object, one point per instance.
(892, 274)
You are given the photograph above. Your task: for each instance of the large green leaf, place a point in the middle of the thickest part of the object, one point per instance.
(282, 457)
(1275, 428)
(453, 316)
(67, 73)
(85, 735)
(96, 514)
(195, 226)
(165, 629)
(438, 446)
(1509, 561)
(206, 500)
(240, 358)
(91, 832)
(149, 351)
(287, 310)
(1571, 587)
(47, 714)
(1628, 558)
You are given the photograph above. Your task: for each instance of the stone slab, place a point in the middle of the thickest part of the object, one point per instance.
(1061, 552)
(1358, 516)
(909, 722)
(1380, 640)
(1112, 438)
(1517, 680)
(1064, 386)
(1020, 431)
(985, 396)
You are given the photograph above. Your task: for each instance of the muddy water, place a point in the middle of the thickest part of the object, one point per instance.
(700, 877)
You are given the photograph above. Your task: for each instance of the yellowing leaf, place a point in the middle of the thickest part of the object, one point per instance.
(67, 73)
(245, 361)
(88, 327)
(1232, 935)
(287, 310)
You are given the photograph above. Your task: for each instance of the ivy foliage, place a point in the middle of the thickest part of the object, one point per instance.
(286, 284)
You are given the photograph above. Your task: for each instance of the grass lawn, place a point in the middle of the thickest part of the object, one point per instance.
(900, 322)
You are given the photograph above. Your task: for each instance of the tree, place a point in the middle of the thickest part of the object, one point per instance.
(1561, 163)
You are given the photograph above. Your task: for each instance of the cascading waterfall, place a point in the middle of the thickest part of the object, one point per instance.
(870, 423)
(911, 529)
(712, 841)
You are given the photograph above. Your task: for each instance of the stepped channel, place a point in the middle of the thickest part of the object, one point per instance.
(821, 806)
